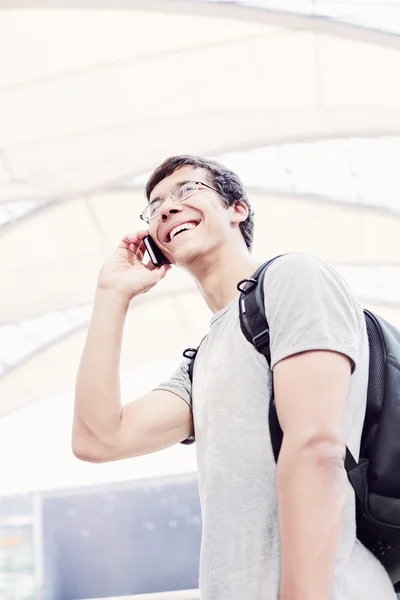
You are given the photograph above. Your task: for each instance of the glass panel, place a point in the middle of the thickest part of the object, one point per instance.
(376, 164)
(14, 344)
(357, 170)
(79, 316)
(260, 167)
(12, 211)
(375, 283)
(19, 340)
(321, 168)
(17, 571)
(367, 13)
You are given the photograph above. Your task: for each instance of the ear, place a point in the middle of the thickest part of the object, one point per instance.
(240, 211)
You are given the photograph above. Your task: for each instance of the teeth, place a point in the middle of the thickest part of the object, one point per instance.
(182, 227)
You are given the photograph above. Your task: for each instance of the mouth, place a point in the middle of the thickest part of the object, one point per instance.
(181, 229)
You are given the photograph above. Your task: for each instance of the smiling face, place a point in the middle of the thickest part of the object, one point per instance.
(186, 231)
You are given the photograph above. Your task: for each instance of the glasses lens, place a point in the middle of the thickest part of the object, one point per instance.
(185, 190)
(152, 209)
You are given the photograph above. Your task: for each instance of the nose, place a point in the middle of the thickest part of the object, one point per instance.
(169, 207)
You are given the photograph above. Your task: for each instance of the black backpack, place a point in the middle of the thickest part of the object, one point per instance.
(376, 476)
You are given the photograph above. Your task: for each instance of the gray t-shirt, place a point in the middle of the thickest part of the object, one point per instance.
(309, 307)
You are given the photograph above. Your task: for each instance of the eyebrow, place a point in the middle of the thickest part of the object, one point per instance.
(173, 190)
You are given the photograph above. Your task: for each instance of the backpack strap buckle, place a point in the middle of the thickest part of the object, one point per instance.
(261, 340)
(190, 353)
(246, 285)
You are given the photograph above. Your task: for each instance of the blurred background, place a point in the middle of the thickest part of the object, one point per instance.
(302, 99)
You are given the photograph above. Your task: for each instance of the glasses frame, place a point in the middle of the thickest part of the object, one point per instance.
(174, 199)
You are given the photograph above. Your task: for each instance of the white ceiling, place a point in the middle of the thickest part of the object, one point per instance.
(91, 98)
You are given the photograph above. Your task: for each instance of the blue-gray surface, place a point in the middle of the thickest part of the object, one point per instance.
(133, 539)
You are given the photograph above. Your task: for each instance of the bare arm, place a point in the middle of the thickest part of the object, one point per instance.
(102, 429)
(311, 391)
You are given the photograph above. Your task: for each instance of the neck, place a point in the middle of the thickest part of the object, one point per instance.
(217, 275)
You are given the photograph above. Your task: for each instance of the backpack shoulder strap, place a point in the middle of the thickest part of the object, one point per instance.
(253, 320)
(254, 325)
(190, 354)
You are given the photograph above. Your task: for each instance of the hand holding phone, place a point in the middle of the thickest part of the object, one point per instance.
(154, 252)
(127, 272)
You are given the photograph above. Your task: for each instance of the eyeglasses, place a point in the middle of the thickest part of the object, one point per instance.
(183, 192)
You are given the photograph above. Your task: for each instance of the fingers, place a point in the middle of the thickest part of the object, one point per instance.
(133, 242)
(133, 238)
(138, 250)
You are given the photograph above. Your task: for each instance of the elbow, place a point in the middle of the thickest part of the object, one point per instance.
(88, 451)
(325, 449)
(89, 447)
(316, 460)
(322, 448)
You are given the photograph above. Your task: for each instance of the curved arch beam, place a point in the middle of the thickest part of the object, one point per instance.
(15, 397)
(274, 193)
(225, 11)
(23, 298)
(66, 334)
(186, 291)
(267, 192)
(117, 184)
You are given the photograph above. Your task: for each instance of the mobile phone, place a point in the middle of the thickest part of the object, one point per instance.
(156, 256)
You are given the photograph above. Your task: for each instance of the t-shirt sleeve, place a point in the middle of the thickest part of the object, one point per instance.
(179, 383)
(310, 307)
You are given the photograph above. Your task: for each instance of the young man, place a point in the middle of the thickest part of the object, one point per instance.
(270, 531)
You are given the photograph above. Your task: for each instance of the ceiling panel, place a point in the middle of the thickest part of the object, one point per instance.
(51, 261)
(91, 98)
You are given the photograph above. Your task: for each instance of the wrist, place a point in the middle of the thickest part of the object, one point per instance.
(111, 298)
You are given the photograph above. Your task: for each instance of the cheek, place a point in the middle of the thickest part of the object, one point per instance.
(153, 227)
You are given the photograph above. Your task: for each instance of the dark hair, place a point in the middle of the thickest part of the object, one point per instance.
(225, 181)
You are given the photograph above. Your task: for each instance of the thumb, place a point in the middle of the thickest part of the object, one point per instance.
(160, 272)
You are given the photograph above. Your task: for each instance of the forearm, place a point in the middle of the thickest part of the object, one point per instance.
(97, 392)
(311, 483)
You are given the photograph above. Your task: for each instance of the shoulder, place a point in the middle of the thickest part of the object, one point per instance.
(306, 282)
(309, 306)
(305, 271)
(295, 261)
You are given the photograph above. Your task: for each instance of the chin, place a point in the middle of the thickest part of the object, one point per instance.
(188, 256)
